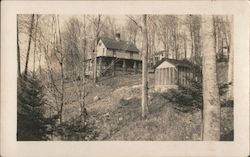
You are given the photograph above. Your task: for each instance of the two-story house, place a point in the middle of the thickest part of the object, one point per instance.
(116, 54)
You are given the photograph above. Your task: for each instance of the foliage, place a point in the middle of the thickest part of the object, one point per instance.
(186, 98)
(76, 129)
(32, 125)
(227, 103)
(223, 88)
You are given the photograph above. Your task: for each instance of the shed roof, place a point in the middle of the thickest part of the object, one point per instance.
(119, 45)
(180, 63)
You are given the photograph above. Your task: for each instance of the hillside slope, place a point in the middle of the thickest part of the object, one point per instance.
(114, 110)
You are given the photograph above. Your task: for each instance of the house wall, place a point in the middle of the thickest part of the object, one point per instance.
(165, 77)
(157, 58)
(184, 76)
(103, 51)
(122, 54)
(168, 76)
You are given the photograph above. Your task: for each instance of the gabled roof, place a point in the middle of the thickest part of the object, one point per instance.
(119, 45)
(180, 63)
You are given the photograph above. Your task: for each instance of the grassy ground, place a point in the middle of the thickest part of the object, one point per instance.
(116, 115)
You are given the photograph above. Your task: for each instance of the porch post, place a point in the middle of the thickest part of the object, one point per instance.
(113, 67)
(100, 67)
(124, 67)
(135, 67)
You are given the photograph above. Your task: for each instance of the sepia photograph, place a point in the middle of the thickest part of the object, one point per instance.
(125, 77)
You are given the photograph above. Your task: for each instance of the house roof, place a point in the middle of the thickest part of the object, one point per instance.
(119, 45)
(180, 63)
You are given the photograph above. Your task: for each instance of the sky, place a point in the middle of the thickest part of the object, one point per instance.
(119, 19)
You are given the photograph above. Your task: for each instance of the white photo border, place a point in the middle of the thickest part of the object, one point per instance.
(238, 147)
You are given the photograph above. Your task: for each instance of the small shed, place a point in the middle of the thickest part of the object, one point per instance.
(170, 73)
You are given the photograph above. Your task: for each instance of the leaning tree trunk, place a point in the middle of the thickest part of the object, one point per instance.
(144, 69)
(18, 51)
(211, 104)
(35, 42)
(230, 64)
(29, 44)
(62, 90)
(83, 95)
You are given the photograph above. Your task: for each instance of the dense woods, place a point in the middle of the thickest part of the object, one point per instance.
(54, 53)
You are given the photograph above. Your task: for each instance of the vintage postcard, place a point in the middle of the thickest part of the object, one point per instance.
(125, 78)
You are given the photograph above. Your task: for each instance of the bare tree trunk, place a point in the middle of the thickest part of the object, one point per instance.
(167, 43)
(230, 63)
(211, 104)
(215, 35)
(83, 106)
(29, 44)
(176, 51)
(62, 71)
(165, 49)
(35, 42)
(39, 60)
(145, 69)
(94, 58)
(199, 49)
(62, 90)
(95, 68)
(18, 51)
(192, 46)
(185, 47)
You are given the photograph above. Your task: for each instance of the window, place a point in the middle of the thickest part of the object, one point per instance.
(103, 50)
(114, 53)
(131, 54)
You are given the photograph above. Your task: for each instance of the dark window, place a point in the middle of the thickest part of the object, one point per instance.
(131, 54)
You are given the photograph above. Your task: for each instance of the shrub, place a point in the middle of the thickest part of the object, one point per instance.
(76, 129)
(31, 123)
(186, 98)
(227, 103)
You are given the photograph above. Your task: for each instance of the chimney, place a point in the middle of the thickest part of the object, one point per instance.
(117, 36)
